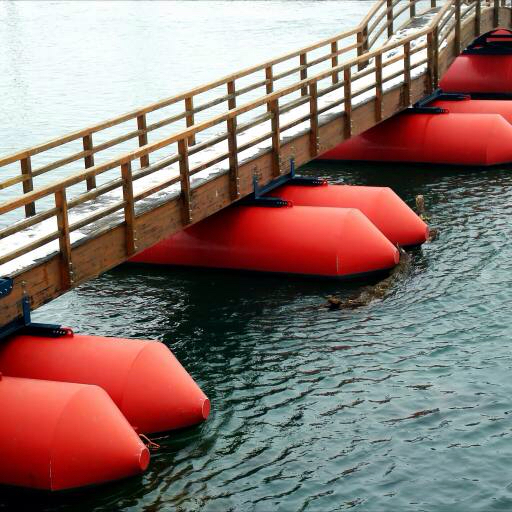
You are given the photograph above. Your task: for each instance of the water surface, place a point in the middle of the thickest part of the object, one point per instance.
(403, 404)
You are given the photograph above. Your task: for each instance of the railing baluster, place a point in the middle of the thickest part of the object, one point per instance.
(303, 72)
(457, 26)
(129, 209)
(412, 8)
(430, 59)
(66, 265)
(28, 184)
(478, 16)
(407, 74)
(496, 13)
(378, 87)
(435, 41)
(273, 106)
(433, 3)
(347, 83)
(186, 207)
(189, 118)
(89, 159)
(143, 138)
(269, 77)
(334, 61)
(314, 141)
(360, 49)
(389, 4)
(234, 179)
(269, 86)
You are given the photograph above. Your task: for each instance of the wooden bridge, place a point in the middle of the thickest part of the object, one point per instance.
(151, 172)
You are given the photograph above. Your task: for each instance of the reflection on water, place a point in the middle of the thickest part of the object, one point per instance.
(403, 404)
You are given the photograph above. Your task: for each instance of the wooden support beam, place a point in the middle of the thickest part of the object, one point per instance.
(28, 184)
(378, 87)
(407, 74)
(435, 48)
(89, 159)
(273, 107)
(496, 14)
(129, 209)
(430, 61)
(314, 141)
(143, 138)
(186, 206)
(304, 72)
(66, 265)
(347, 86)
(189, 117)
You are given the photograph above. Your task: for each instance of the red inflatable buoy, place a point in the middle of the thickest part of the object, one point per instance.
(331, 242)
(143, 378)
(479, 74)
(56, 435)
(469, 106)
(457, 139)
(380, 204)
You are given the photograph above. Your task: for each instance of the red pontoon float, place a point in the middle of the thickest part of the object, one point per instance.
(57, 435)
(446, 138)
(397, 222)
(484, 67)
(143, 378)
(330, 242)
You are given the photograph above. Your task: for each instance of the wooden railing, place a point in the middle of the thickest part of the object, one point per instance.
(357, 68)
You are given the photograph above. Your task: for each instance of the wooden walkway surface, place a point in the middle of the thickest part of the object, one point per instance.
(197, 152)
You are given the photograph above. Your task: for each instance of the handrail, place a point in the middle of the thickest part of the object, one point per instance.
(361, 44)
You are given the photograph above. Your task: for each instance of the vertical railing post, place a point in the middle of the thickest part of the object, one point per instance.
(389, 4)
(412, 8)
(478, 17)
(273, 107)
(234, 179)
(28, 184)
(334, 61)
(435, 40)
(89, 159)
(433, 3)
(314, 141)
(303, 72)
(457, 26)
(143, 138)
(407, 74)
(186, 207)
(362, 41)
(347, 83)
(269, 85)
(129, 209)
(66, 265)
(496, 13)
(378, 87)
(189, 117)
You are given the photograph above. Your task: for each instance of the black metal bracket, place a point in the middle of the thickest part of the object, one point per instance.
(422, 106)
(24, 324)
(482, 46)
(6, 284)
(258, 198)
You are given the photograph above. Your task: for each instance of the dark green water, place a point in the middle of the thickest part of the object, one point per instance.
(404, 404)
